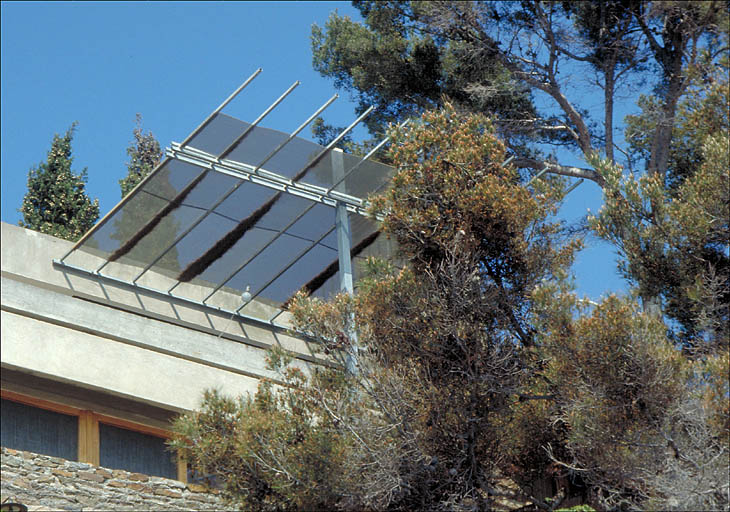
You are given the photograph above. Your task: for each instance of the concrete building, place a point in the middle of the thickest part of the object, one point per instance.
(93, 371)
(180, 288)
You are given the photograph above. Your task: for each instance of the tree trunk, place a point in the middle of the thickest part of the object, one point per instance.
(608, 104)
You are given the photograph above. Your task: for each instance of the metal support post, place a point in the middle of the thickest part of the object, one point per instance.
(342, 223)
(344, 248)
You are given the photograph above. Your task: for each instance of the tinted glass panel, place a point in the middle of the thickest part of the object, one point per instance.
(254, 238)
(120, 448)
(39, 431)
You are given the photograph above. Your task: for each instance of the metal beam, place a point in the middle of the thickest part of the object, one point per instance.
(269, 179)
(344, 250)
(342, 223)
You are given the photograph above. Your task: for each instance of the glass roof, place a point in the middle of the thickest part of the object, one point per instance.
(260, 218)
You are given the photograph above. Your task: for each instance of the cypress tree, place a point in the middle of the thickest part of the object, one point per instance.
(56, 202)
(144, 155)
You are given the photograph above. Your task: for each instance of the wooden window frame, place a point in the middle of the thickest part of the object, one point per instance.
(88, 428)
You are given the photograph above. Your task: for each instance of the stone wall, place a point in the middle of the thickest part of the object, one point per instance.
(49, 483)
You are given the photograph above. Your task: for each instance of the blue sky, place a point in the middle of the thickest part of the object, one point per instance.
(100, 63)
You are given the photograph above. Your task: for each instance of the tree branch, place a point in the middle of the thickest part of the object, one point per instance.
(562, 170)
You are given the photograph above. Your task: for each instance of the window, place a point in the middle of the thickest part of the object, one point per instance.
(120, 448)
(28, 428)
(49, 428)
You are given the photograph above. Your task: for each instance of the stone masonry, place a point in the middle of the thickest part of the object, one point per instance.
(44, 483)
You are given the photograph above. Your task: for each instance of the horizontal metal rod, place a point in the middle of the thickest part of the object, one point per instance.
(165, 295)
(292, 189)
(275, 181)
(209, 161)
(276, 315)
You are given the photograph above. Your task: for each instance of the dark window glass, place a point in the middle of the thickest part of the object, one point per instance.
(120, 448)
(39, 431)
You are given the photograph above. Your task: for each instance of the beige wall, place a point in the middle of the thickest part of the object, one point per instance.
(99, 336)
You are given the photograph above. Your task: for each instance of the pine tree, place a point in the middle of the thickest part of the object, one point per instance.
(56, 202)
(444, 347)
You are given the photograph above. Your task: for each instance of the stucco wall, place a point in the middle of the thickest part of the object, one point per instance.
(79, 330)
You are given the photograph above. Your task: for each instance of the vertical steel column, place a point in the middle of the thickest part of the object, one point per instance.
(344, 248)
(342, 223)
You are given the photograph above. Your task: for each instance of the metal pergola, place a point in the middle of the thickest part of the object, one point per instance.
(238, 210)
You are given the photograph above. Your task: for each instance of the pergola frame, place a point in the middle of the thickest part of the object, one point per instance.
(341, 203)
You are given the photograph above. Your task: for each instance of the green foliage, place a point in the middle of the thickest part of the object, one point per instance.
(672, 230)
(281, 450)
(144, 155)
(56, 202)
(402, 70)
(475, 362)
(615, 376)
(577, 508)
(443, 346)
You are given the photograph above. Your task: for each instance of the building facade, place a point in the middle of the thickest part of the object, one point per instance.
(93, 371)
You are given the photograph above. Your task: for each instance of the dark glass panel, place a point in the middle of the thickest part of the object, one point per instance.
(39, 431)
(120, 448)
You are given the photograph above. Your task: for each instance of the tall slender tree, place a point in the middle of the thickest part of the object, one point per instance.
(144, 154)
(56, 202)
